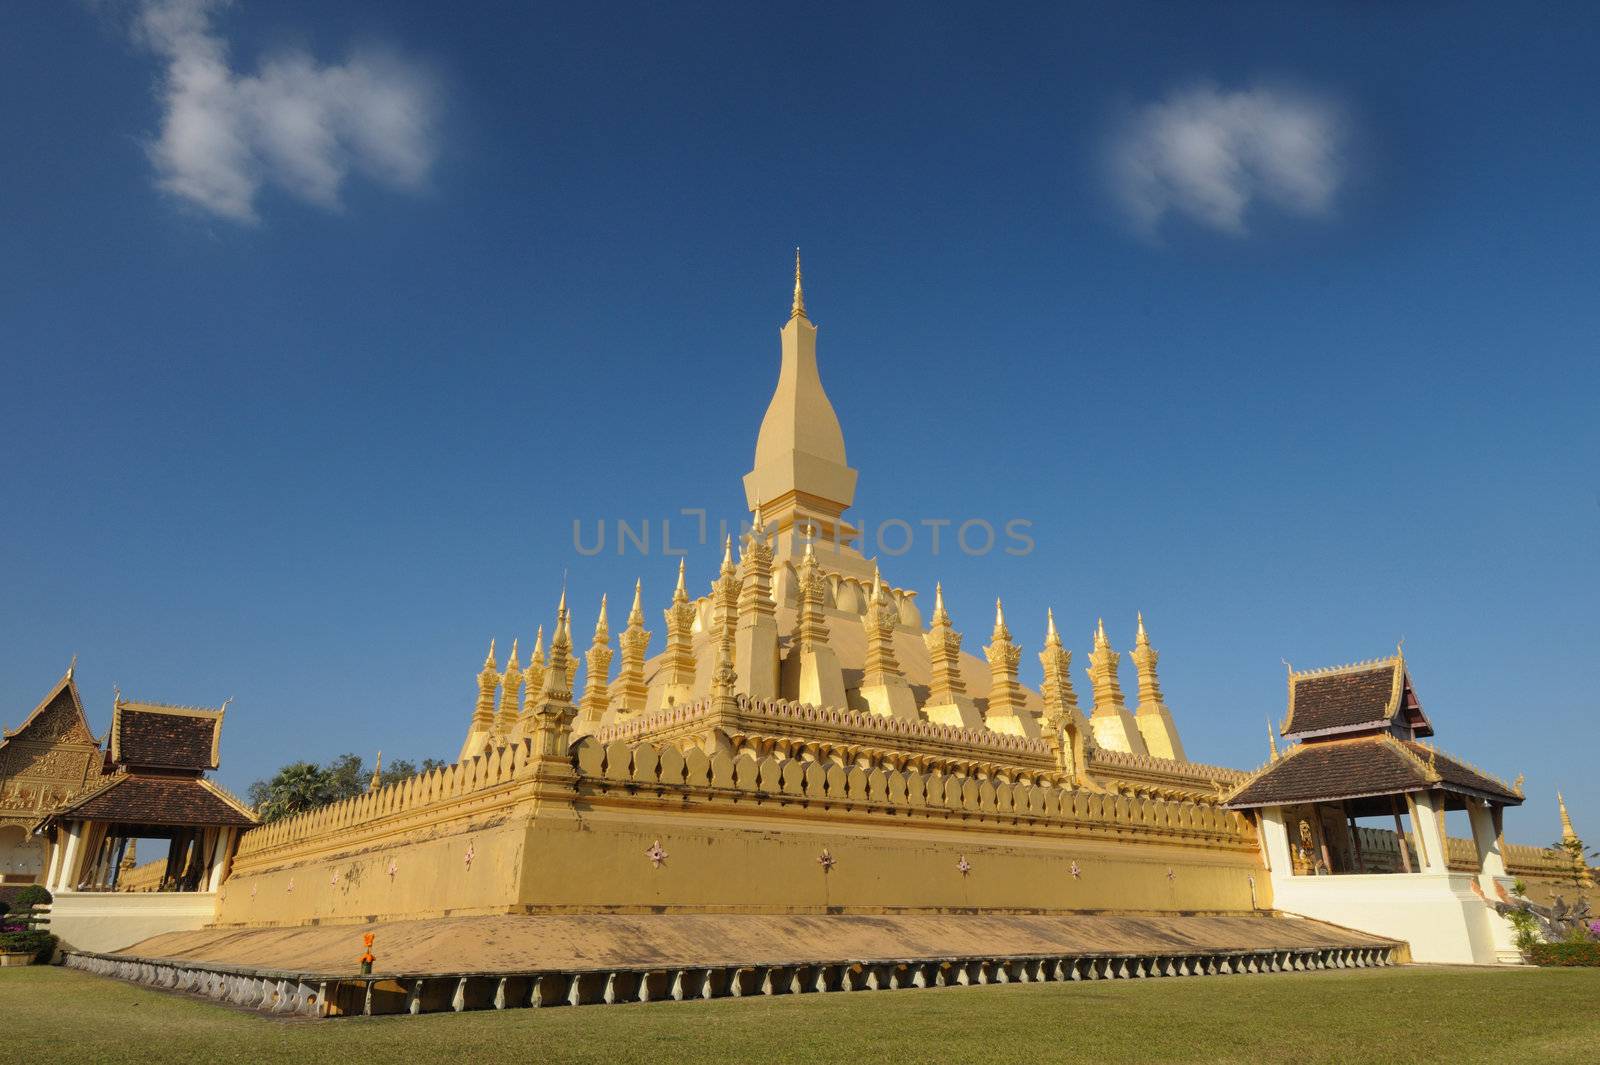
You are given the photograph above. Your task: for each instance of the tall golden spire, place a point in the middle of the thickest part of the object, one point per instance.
(798, 308)
(532, 681)
(675, 679)
(1568, 833)
(1059, 698)
(597, 673)
(630, 690)
(1005, 713)
(510, 703)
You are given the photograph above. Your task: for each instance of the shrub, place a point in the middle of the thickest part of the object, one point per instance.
(1585, 954)
(5, 907)
(41, 944)
(33, 895)
(1524, 929)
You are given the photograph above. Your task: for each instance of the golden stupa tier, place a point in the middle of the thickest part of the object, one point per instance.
(801, 644)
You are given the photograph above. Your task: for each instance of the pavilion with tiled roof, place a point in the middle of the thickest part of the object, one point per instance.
(1357, 751)
(154, 787)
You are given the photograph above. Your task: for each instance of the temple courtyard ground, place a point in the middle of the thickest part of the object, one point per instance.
(1407, 1015)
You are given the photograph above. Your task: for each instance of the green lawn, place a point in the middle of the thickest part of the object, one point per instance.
(1383, 1015)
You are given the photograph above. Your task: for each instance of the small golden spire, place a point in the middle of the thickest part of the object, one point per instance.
(1141, 637)
(1272, 739)
(727, 553)
(1567, 831)
(756, 524)
(377, 774)
(1050, 633)
(999, 615)
(538, 646)
(1100, 639)
(636, 613)
(680, 593)
(940, 614)
(488, 662)
(798, 308)
(601, 629)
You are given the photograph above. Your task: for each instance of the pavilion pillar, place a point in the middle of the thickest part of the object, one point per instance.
(1491, 863)
(67, 874)
(219, 858)
(1400, 836)
(57, 848)
(1426, 811)
(1275, 838)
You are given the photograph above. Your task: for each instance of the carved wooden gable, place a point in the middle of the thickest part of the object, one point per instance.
(49, 758)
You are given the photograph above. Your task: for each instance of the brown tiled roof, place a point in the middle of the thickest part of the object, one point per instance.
(1368, 695)
(165, 737)
(157, 800)
(1464, 776)
(1349, 769)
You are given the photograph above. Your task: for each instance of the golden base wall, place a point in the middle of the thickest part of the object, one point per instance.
(649, 829)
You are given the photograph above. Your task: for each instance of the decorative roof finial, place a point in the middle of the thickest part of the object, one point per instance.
(377, 774)
(636, 612)
(680, 591)
(1050, 632)
(798, 308)
(999, 615)
(1141, 637)
(72, 667)
(601, 629)
(1272, 739)
(727, 553)
(488, 662)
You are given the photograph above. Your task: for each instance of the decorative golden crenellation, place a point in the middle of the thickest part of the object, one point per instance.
(630, 691)
(880, 620)
(597, 672)
(944, 648)
(510, 685)
(1102, 671)
(1348, 667)
(1005, 693)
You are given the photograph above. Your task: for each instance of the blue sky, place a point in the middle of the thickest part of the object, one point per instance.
(320, 325)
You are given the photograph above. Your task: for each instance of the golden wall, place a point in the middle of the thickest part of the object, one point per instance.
(735, 835)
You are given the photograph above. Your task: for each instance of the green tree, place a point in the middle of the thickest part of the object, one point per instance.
(302, 786)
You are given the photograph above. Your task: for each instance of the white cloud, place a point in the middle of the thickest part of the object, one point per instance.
(295, 124)
(1212, 155)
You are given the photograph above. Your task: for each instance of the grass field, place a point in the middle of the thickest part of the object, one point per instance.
(1459, 1016)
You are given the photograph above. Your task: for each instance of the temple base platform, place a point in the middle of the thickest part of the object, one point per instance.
(506, 962)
